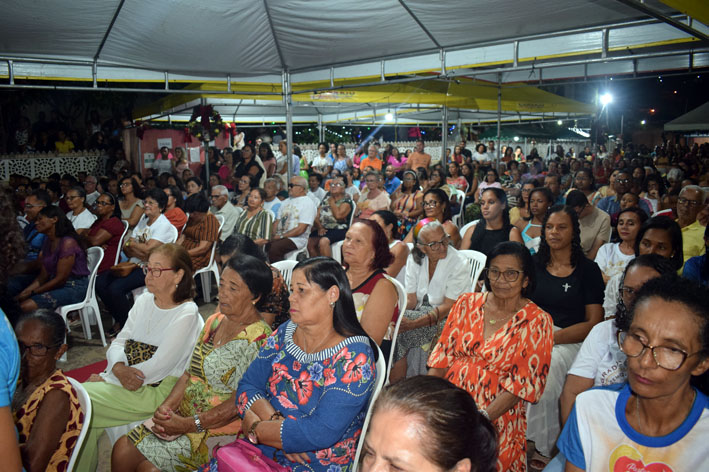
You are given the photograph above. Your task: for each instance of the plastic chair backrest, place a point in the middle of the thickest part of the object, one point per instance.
(337, 251)
(174, 234)
(120, 242)
(401, 292)
(85, 403)
(476, 263)
(378, 384)
(94, 256)
(286, 270)
(466, 227)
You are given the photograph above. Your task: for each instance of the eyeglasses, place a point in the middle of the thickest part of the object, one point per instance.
(686, 201)
(101, 203)
(149, 203)
(622, 181)
(37, 350)
(125, 184)
(666, 357)
(70, 198)
(214, 196)
(295, 185)
(337, 184)
(371, 181)
(155, 271)
(29, 205)
(435, 245)
(430, 204)
(628, 292)
(510, 275)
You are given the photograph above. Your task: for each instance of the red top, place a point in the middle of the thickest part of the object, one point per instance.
(115, 227)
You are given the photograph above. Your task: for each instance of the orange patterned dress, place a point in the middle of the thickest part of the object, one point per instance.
(25, 416)
(514, 359)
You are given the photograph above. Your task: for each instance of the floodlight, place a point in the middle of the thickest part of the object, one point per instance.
(606, 98)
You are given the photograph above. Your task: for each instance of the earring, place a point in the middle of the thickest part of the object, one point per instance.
(332, 304)
(177, 285)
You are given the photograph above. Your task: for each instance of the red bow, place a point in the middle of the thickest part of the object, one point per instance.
(186, 135)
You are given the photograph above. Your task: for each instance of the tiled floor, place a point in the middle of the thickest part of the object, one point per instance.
(88, 351)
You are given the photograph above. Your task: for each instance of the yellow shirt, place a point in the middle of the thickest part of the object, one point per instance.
(693, 240)
(64, 146)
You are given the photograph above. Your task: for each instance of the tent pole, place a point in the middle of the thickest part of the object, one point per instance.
(288, 97)
(321, 131)
(444, 137)
(499, 118)
(206, 150)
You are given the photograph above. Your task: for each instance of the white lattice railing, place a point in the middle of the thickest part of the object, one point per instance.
(43, 165)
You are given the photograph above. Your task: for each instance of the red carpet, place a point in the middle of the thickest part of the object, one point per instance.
(82, 374)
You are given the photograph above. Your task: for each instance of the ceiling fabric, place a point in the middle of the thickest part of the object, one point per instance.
(694, 120)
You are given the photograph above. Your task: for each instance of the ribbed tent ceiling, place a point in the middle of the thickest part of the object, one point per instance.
(257, 40)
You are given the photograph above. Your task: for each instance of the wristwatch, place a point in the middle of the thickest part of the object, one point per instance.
(198, 424)
(253, 437)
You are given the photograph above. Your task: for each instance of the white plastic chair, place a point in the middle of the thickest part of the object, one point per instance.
(401, 292)
(466, 228)
(94, 256)
(293, 255)
(85, 403)
(378, 384)
(476, 263)
(461, 199)
(336, 249)
(174, 234)
(120, 242)
(286, 270)
(204, 272)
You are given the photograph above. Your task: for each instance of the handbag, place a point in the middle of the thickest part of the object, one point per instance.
(242, 456)
(123, 269)
(137, 352)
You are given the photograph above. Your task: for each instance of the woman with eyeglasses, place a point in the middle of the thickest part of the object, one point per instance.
(150, 352)
(407, 202)
(79, 215)
(521, 211)
(492, 179)
(497, 346)
(244, 185)
(434, 280)
(152, 230)
(569, 288)
(106, 231)
(658, 419)
(373, 197)
(436, 206)
(332, 220)
(131, 201)
(45, 406)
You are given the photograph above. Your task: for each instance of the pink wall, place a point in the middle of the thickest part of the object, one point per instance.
(149, 143)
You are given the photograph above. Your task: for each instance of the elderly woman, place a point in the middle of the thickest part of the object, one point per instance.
(332, 220)
(80, 216)
(373, 198)
(413, 420)
(407, 202)
(494, 227)
(45, 407)
(399, 250)
(150, 352)
(436, 206)
(152, 230)
(434, 281)
(201, 232)
(255, 223)
(62, 279)
(569, 288)
(503, 358)
(304, 398)
(244, 185)
(200, 412)
(365, 254)
(131, 201)
(657, 418)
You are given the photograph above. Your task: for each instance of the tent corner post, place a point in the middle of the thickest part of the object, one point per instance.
(288, 97)
(444, 135)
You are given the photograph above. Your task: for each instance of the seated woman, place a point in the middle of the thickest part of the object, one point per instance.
(131, 201)
(304, 398)
(80, 216)
(407, 203)
(540, 200)
(612, 258)
(173, 210)
(494, 227)
(45, 407)
(274, 307)
(150, 352)
(255, 223)
(434, 281)
(365, 254)
(63, 277)
(194, 185)
(658, 417)
(413, 419)
(244, 186)
(436, 206)
(397, 269)
(152, 230)
(106, 231)
(201, 232)
(570, 289)
(503, 359)
(331, 221)
(373, 197)
(200, 412)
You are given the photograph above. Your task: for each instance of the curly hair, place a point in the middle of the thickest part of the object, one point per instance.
(12, 244)
(577, 255)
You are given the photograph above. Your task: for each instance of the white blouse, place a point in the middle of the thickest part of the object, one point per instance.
(173, 331)
(448, 281)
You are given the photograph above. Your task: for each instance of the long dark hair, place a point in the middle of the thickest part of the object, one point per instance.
(63, 227)
(326, 272)
(137, 189)
(482, 224)
(544, 191)
(443, 198)
(577, 255)
(666, 224)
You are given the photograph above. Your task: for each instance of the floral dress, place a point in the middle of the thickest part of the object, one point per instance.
(323, 396)
(514, 359)
(214, 373)
(406, 202)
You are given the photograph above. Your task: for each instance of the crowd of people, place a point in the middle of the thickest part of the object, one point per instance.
(592, 262)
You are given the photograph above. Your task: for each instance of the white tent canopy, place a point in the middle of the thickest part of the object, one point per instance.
(694, 120)
(257, 41)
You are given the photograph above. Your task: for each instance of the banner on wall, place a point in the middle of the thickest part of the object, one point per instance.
(194, 154)
(165, 142)
(148, 159)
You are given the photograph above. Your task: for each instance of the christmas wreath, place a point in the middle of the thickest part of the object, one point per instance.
(205, 123)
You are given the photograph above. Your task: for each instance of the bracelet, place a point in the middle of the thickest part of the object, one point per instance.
(484, 413)
(277, 415)
(198, 424)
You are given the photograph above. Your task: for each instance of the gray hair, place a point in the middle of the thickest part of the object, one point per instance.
(275, 180)
(418, 253)
(675, 173)
(700, 190)
(221, 189)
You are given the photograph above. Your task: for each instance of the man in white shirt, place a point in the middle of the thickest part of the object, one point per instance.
(90, 187)
(272, 186)
(293, 222)
(316, 192)
(221, 206)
